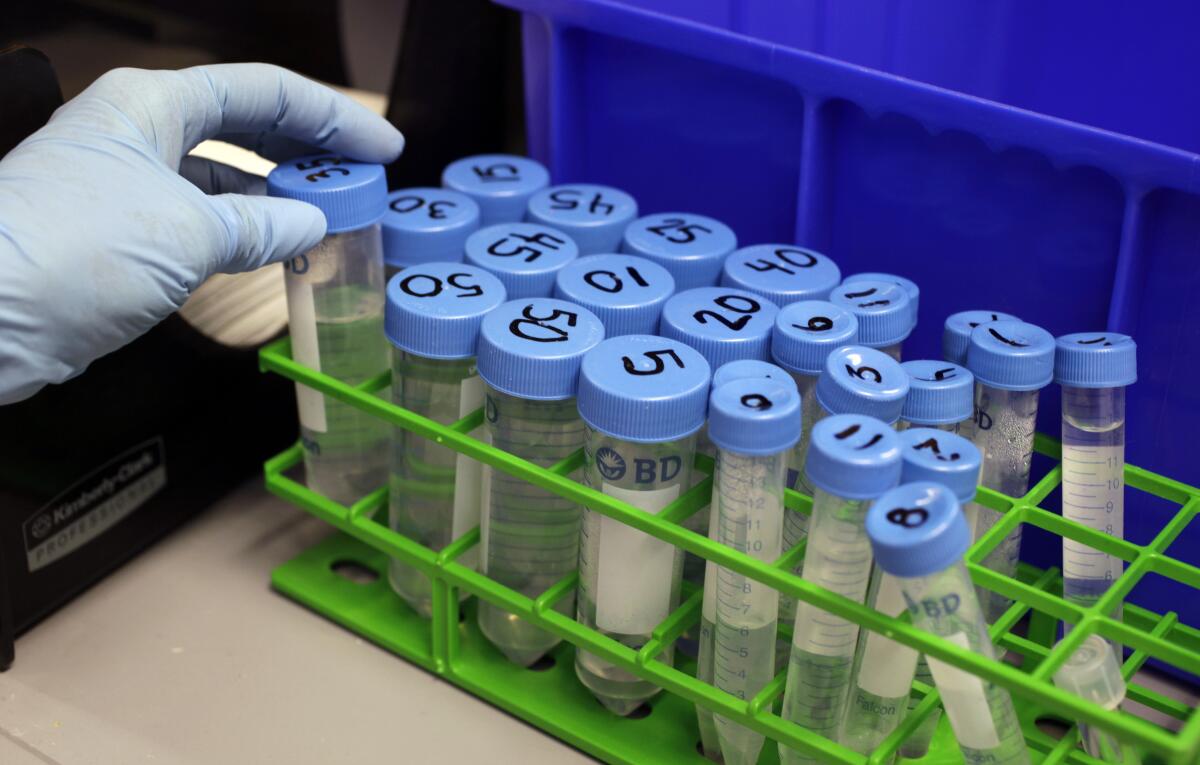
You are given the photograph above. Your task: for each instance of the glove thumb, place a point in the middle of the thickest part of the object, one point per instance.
(265, 230)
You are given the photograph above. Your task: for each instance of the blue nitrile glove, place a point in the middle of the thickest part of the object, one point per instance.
(106, 228)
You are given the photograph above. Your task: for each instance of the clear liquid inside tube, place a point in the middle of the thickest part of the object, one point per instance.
(795, 525)
(1093, 486)
(433, 491)
(750, 520)
(529, 536)
(823, 645)
(1004, 429)
(335, 317)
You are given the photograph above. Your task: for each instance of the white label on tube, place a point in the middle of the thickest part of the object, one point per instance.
(467, 473)
(633, 589)
(965, 700)
(302, 325)
(887, 666)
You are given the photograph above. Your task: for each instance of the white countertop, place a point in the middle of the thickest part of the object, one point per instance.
(186, 656)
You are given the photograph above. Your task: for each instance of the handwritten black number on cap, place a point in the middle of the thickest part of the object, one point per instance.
(757, 401)
(472, 290)
(729, 303)
(557, 335)
(680, 231)
(657, 357)
(406, 203)
(325, 173)
(1096, 341)
(410, 285)
(867, 293)
(946, 373)
(562, 201)
(933, 445)
(865, 372)
(854, 428)
(762, 264)
(411, 202)
(908, 517)
(1007, 341)
(319, 162)
(817, 324)
(542, 239)
(616, 284)
(974, 324)
(489, 174)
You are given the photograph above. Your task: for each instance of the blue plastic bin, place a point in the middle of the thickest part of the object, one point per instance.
(1030, 157)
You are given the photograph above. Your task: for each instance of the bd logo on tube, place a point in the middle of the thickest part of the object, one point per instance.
(934, 608)
(612, 467)
(610, 464)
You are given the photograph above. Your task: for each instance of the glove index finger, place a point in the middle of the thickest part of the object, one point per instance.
(264, 230)
(258, 98)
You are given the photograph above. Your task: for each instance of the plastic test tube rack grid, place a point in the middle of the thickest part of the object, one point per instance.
(450, 646)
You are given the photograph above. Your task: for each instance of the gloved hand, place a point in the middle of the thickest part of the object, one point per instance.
(106, 227)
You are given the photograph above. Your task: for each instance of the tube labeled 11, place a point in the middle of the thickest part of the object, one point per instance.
(852, 460)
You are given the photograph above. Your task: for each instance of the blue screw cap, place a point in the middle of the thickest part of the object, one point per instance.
(861, 380)
(754, 416)
(627, 292)
(526, 257)
(939, 393)
(917, 529)
(723, 323)
(782, 273)
(956, 334)
(853, 456)
(501, 184)
(751, 369)
(434, 309)
(934, 455)
(1011, 355)
(427, 225)
(1095, 360)
(692, 247)
(910, 287)
(644, 388)
(532, 348)
(594, 216)
(807, 331)
(352, 194)
(883, 310)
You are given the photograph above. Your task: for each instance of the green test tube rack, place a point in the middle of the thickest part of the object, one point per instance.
(450, 646)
